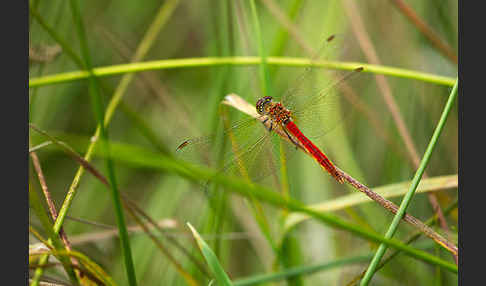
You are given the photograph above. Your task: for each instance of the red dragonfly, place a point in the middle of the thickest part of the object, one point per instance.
(248, 145)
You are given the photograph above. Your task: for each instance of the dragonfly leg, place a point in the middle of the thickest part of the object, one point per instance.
(271, 124)
(291, 139)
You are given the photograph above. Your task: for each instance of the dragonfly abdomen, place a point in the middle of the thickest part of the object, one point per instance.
(314, 151)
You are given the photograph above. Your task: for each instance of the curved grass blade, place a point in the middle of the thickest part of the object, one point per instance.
(244, 61)
(211, 259)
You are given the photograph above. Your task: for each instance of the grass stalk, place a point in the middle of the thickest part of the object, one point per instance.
(237, 61)
(211, 259)
(97, 105)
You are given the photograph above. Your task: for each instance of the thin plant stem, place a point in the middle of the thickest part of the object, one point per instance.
(244, 61)
(416, 180)
(49, 200)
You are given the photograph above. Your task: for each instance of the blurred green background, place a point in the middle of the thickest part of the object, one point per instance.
(161, 108)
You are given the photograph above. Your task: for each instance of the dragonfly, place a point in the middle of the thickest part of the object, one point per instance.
(293, 117)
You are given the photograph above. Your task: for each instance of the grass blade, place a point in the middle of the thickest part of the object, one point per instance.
(97, 105)
(211, 259)
(243, 61)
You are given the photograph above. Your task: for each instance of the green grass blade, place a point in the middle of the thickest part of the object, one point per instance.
(211, 259)
(301, 270)
(310, 269)
(416, 180)
(97, 105)
(244, 61)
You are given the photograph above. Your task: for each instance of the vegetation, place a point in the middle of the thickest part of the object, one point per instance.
(115, 87)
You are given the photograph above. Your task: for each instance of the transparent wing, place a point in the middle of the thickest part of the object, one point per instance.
(268, 160)
(300, 86)
(213, 148)
(316, 101)
(251, 151)
(321, 112)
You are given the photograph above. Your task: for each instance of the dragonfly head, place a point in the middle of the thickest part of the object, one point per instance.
(262, 104)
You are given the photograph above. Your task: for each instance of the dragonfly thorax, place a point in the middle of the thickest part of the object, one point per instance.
(275, 110)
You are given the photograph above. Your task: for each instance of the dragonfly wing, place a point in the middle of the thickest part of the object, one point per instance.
(255, 160)
(210, 149)
(327, 108)
(305, 83)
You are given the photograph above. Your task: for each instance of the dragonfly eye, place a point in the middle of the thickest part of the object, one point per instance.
(260, 105)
